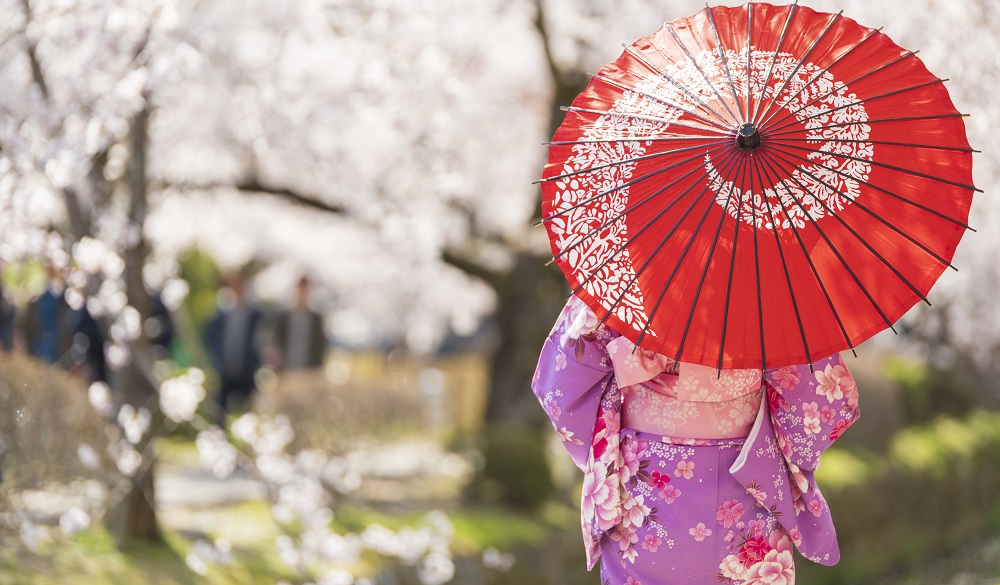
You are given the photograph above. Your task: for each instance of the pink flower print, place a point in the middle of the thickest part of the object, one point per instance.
(786, 377)
(754, 550)
(756, 527)
(757, 494)
(839, 429)
(729, 513)
(780, 541)
(567, 436)
(631, 581)
(670, 494)
(730, 537)
(629, 555)
(828, 414)
(651, 543)
(732, 568)
(600, 496)
(658, 481)
(810, 409)
(554, 411)
(699, 532)
(816, 508)
(634, 510)
(685, 469)
(834, 382)
(560, 361)
(776, 568)
(796, 536)
(624, 536)
(628, 458)
(811, 425)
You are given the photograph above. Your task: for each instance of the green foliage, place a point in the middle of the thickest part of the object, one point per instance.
(935, 489)
(202, 275)
(515, 470)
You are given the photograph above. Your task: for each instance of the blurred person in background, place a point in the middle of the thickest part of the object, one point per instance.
(58, 333)
(8, 318)
(299, 340)
(231, 340)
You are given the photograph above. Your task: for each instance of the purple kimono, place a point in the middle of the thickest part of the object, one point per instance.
(688, 510)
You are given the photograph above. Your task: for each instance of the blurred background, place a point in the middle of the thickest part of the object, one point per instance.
(271, 299)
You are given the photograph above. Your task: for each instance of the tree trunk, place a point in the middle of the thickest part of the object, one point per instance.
(135, 516)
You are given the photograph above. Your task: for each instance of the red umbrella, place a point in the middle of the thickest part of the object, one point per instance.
(758, 186)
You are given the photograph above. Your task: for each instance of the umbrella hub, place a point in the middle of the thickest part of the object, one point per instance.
(747, 137)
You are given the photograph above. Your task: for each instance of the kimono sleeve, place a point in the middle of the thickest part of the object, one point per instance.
(811, 409)
(573, 373)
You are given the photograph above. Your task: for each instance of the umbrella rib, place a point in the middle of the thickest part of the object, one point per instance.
(627, 139)
(867, 245)
(562, 212)
(627, 210)
(661, 100)
(641, 117)
(676, 83)
(617, 163)
(750, 9)
(725, 61)
(857, 141)
(756, 263)
(834, 249)
(787, 273)
(818, 75)
(877, 121)
(774, 58)
(863, 207)
(680, 260)
(812, 266)
(892, 167)
(683, 47)
(711, 252)
(843, 86)
(732, 266)
(774, 96)
(645, 264)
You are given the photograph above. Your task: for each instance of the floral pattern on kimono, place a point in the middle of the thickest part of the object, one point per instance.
(625, 501)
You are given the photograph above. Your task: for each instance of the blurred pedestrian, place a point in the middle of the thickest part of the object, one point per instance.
(231, 339)
(298, 333)
(47, 334)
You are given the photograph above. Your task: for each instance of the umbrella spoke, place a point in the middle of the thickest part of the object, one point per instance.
(618, 163)
(887, 143)
(871, 34)
(812, 266)
(772, 133)
(626, 139)
(750, 9)
(663, 241)
(788, 277)
(733, 117)
(684, 109)
(892, 167)
(676, 83)
(628, 184)
(641, 117)
(711, 252)
(884, 221)
(867, 245)
(725, 61)
(774, 58)
(834, 249)
(774, 96)
(630, 208)
(711, 203)
(732, 266)
(645, 264)
(843, 86)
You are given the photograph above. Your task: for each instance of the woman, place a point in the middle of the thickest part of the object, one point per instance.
(692, 475)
